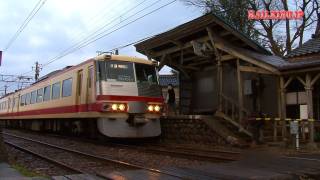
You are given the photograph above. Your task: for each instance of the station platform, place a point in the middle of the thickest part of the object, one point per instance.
(9, 173)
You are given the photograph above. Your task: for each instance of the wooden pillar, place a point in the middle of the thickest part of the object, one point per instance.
(308, 88)
(275, 124)
(220, 88)
(283, 107)
(240, 91)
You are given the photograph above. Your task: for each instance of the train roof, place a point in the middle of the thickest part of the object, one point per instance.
(124, 58)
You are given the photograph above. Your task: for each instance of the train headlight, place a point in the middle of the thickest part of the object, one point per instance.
(122, 107)
(157, 108)
(150, 108)
(114, 107)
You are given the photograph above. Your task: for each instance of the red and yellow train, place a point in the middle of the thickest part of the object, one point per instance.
(117, 95)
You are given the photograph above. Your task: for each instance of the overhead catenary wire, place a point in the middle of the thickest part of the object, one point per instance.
(109, 22)
(94, 35)
(101, 35)
(31, 15)
(94, 21)
(88, 37)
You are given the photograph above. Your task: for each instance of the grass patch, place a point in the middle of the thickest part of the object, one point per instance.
(24, 171)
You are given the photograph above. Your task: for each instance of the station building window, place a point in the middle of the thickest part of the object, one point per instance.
(28, 97)
(56, 90)
(67, 87)
(47, 93)
(33, 97)
(39, 95)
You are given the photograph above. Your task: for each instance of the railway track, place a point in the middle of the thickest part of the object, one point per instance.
(78, 161)
(184, 152)
(212, 155)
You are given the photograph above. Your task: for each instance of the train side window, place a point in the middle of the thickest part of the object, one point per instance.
(47, 93)
(56, 90)
(28, 97)
(39, 95)
(33, 97)
(23, 100)
(67, 87)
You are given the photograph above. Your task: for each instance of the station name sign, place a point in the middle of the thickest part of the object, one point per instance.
(274, 14)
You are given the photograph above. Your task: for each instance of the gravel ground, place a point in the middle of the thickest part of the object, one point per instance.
(74, 160)
(33, 164)
(123, 154)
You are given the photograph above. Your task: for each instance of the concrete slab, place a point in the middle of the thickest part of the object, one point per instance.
(264, 165)
(8, 173)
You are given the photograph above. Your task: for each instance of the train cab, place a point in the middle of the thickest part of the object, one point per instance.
(129, 91)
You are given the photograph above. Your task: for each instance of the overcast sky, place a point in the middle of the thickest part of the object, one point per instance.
(60, 24)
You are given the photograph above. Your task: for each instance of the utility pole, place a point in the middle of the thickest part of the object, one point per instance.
(37, 70)
(5, 89)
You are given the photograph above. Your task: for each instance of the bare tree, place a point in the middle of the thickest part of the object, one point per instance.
(280, 36)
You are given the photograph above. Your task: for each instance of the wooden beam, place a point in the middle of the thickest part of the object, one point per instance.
(225, 33)
(283, 107)
(301, 80)
(177, 48)
(178, 43)
(314, 80)
(240, 91)
(286, 84)
(162, 61)
(227, 57)
(199, 63)
(225, 46)
(181, 57)
(254, 70)
(308, 88)
(301, 70)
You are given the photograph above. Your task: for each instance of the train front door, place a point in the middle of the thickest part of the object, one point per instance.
(90, 86)
(79, 87)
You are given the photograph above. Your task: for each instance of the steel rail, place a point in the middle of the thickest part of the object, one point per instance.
(131, 165)
(185, 153)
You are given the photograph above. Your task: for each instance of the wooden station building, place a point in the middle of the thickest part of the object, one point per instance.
(226, 74)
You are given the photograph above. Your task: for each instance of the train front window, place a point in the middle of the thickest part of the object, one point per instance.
(146, 73)
(116, 71)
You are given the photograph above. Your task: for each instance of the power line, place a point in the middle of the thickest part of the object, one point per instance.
(104, 35)
(87, 38)
(94, 20)
(93, 35)
(34, 11)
